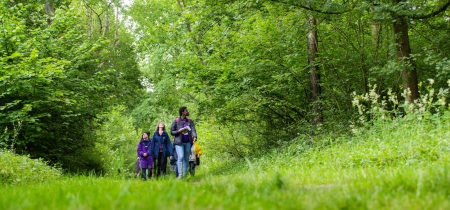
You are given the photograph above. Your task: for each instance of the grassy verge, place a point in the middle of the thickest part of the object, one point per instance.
(404, 188)
(403, 164)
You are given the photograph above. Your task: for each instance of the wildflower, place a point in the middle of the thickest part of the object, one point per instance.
(362, 119)
(366, 97)
(406, 93)
(441, 101)
(431, 81)
(360, 110)
(355, 102)
(425, 99)
(393, 99)
(421, 109)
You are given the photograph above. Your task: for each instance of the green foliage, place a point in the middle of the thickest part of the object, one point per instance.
(117, 136)
(245, 62)
(395, 165)
(16, 169)
(55, 80)
(241, 67)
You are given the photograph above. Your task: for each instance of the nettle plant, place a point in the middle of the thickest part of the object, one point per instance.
(372, 106)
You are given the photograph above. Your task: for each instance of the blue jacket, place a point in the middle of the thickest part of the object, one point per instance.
(159, 140)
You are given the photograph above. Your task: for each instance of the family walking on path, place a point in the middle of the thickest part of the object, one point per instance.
(184, 153)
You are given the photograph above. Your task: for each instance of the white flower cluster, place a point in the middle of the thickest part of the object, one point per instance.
(372, 106)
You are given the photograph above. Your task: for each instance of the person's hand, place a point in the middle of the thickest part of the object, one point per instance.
(145, 154)
(170, 157)
(138, 158)
(198, 155)
(195, 139)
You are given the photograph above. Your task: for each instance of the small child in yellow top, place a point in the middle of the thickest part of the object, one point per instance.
(194, 158)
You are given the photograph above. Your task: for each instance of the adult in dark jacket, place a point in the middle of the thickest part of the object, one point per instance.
(145, 160)
(183, 140)
(161, 148)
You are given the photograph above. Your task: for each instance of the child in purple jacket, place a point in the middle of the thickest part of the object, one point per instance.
(145, 160)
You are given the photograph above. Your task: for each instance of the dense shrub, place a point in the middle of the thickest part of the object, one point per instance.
(55, 81)
(19, 169)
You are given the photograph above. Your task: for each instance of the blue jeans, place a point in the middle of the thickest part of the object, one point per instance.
(183, 152)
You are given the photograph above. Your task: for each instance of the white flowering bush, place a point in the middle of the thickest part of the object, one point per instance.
(372, 106)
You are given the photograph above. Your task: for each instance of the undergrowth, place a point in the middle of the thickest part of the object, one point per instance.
(399, 162)
(22, 169)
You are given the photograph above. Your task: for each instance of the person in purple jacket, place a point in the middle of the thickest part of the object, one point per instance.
(145, 160)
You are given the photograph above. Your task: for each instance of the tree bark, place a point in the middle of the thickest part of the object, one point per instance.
(116, 34)
(409, 75)
(376, 31)
(50, 10)
(314, 75)
(106, 23)
(88, 16)
(376, 28)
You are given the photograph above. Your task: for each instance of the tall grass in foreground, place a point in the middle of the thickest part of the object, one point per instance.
(395, 163)
(398, 165)
(400, 188)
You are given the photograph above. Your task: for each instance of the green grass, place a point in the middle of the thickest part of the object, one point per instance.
(395, 165)
(401, 188)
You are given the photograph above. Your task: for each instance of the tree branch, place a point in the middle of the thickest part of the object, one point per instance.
(432, 14)
(314, 9)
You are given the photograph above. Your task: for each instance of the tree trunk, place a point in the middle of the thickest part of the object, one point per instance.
(376, 31)
(106, 23)
(409, 75)
(376, 28)
(50, 10)
(88, 16)
(314, 75)
(117, 23)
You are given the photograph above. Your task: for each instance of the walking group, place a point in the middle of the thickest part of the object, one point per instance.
(184, 153)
